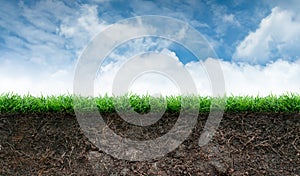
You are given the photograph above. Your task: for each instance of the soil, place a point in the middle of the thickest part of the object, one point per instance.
(244, 144)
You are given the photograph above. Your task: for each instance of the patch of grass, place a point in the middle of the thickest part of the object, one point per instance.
(284, 103)
(13, 103)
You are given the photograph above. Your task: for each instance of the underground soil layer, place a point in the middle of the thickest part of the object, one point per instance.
(244, 144)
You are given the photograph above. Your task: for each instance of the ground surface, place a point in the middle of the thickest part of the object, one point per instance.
(245, 144)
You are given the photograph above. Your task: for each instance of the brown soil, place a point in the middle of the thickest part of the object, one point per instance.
(245, 144)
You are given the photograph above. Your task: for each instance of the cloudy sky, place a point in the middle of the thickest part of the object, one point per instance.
(256, 42)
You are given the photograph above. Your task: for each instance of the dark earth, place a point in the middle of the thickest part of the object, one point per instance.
(245, 144)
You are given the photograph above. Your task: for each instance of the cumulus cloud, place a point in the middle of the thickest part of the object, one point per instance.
(119, 57)
(55, 83)
(277, 37)
(146, 72)
(277, 78)
(240, 79)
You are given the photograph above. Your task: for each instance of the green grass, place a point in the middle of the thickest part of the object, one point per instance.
(13, 103)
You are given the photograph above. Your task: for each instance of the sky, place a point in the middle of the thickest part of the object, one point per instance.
(256, 42)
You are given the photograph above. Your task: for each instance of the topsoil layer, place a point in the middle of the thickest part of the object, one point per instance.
(244, 144)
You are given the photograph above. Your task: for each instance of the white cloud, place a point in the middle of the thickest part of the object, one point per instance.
(278, 36)
(56, 83)
(223, 19)
(81, 27)
(230, 18)
(149, 82)
(277, 78)
(85, 22)
(136, 46)
(154, 84)
(35, 58)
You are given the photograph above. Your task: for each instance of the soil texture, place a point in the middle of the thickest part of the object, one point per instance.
(244, 144)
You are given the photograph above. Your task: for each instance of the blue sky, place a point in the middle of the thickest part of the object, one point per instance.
(257, 42)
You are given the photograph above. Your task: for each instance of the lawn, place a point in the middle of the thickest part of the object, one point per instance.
(13, 103)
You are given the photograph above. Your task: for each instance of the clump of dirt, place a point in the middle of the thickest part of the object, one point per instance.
(245, 144)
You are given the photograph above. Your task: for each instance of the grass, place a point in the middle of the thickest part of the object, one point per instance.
(13, 103)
